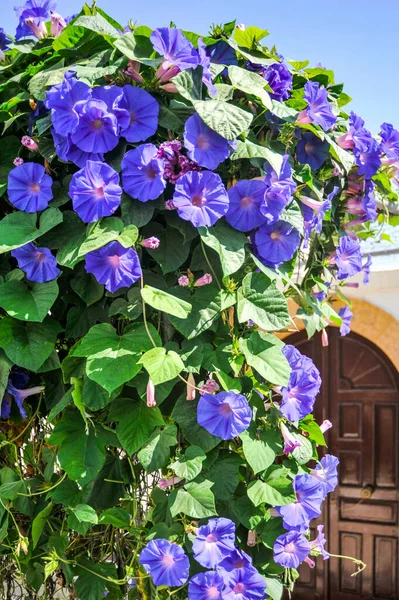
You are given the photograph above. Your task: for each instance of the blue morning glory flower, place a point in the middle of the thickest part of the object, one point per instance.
(143, 173)
(214, 542)
(204, 146)
(114, 266)
(245, 200)
(29, 187)
(225, 415)
(290, 549)
(200, 197)
(39, 264)
(165, 562)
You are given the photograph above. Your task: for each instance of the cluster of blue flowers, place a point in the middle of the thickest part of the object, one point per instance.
(233, 577)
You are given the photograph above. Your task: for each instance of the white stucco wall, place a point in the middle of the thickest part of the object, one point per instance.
(382, 290)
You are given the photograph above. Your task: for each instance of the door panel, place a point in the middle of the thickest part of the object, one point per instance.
(360, 396)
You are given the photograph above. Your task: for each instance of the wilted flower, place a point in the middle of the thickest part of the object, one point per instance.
(152, 242)
(210, 387)
(164, 484)
(183, 281)
(190, 387)
(29, 143)
(17, 162)
(279, 77)
(204, 280)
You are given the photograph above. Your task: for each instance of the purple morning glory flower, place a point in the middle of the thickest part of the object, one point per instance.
(36, 10)
(4, 41)
(293, 356)
(200, 197)
(290, 549)
(366, 269)
(346, 316)
(290, 443)
(142, 111)
(276, 243)
(64, 100)
(362, 205)
(390, 140)
(67, 151)
(98, 128)
(319, 110)
(277, 196)
(206, 586)
(205, 63)
(225, 415)
(368, 160)
(317, 545)
(238, 559)
(214, 542)
(312, 151)
(222, 54)
(348, 257)
(95, 191)
(303, 387)
(29, 187)
(279, 77)
(17, 379)
(204, 146)
(143, 173)
(245, 199)
(38, 264)
(165, 562)
(175, 48)
(285, 177)
(309, 494)
(114, 266)
(313, 214)
(245, 584)
(327, 474)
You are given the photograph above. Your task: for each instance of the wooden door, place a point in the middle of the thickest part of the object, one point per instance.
(360, 396)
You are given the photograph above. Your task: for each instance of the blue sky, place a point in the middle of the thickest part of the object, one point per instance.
(358, 39)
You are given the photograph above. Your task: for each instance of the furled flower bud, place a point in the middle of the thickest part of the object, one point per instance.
(204, 280)
(290, 443)
(164, 484)
(18, 161)
(133, 71)
(325, 426)
(324, 338)
(151, 394)
(29, 143)
(39, 31)
(251, 540)
(183, 281)
(152, 242)
(57, 24)
(190, 387)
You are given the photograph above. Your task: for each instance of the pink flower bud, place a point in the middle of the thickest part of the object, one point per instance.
(303, 119)
(183, 281)
(325, 426)
(310, 562)
(164, 484)
(39, 31)
(170, 87)
(290, 443)
(324, 338)
(151, 394)
(57, 24)
(169, 205)
(190, 387)
(251, 540)
(351, 285)
(18, 161)
(152, 242)
(29, 143)
(345, 141)
(133, 71)
(204, 280)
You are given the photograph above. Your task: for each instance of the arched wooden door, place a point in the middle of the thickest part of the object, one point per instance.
(360, 396)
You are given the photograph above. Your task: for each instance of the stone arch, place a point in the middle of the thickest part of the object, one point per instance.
(372, 323)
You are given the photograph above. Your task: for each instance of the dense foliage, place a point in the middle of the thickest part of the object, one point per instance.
(163, 196)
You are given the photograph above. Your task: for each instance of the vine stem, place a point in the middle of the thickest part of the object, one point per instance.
(145, 315)
(44, 491)
(210, 266)
(360, 564)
